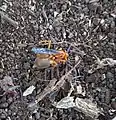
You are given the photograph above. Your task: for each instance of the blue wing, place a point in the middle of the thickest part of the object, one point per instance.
(44, 51)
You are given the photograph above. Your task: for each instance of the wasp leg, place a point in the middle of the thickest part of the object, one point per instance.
(46, 42)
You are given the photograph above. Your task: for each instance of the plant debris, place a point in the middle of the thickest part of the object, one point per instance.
(29, 90)
(102, 63)
(86, 29)
(66, 103)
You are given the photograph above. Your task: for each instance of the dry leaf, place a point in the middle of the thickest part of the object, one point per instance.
(66, 103)
(29, 90)
(87, 107)
(6, 83)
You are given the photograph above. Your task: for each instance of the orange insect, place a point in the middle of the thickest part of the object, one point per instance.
(47, 57)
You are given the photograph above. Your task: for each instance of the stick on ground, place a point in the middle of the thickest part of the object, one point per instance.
(55, 87)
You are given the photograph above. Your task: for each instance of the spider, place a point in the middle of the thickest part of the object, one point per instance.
(47, 57)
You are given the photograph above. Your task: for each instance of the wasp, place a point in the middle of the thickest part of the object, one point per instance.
(47, 57)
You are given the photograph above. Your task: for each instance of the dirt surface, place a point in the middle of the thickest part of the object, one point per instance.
(87, 28)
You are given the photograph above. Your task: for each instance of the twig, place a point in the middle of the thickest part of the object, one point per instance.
(102, 63)
(2, 64)
(31, 12)
(61, 82)
(44, 13)
(55, 87)
(5, 17)
(47, 90)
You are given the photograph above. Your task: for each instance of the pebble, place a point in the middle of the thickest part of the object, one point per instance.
(4, 105)
(70, 35)
(1, 110)
(50, 27)
(1, 70)
(9, 112)
(55, 13)
(3, 99)
(108, 96)
(93, 6)
(9, 100)
(37, 115)
(32, 106)
(96, 21)
(2, 116)
(111, 35)
(113, 104)
(110, 77)
(12, 55)
(27, 65)
(105, 1)
(92, 1)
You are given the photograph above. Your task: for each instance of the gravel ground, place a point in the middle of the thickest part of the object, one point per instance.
(89, 25)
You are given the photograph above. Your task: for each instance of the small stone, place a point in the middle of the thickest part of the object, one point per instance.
(4, 105)
(105, 1)
(93, 6)
(110, 86)
(85, 10)
(92, 1)
(112, 24)
(26, 65)
(32, 106)
(109, 75)
(96, 21)
(3, 99)
(1, 40)
(70, 35)
(50, 27)
(111, 35)
(64, 7)
(37, 115)
(108, 96)
(9, 100)
(102, 21)
(87, 1)
(98, 89)
(12, 55)
(9, 112)
(1, 70)
(2, 116)
(55, 13)
(1, 110)
(113, 15)
(113, 104)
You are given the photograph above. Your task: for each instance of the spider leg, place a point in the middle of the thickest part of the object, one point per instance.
(46, 42)
(53, 63)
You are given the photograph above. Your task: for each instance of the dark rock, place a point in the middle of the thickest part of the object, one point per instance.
(26, 65)
(96, 21)
(37, 115)
(113, 104)
(2, 116)
(3, 105)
